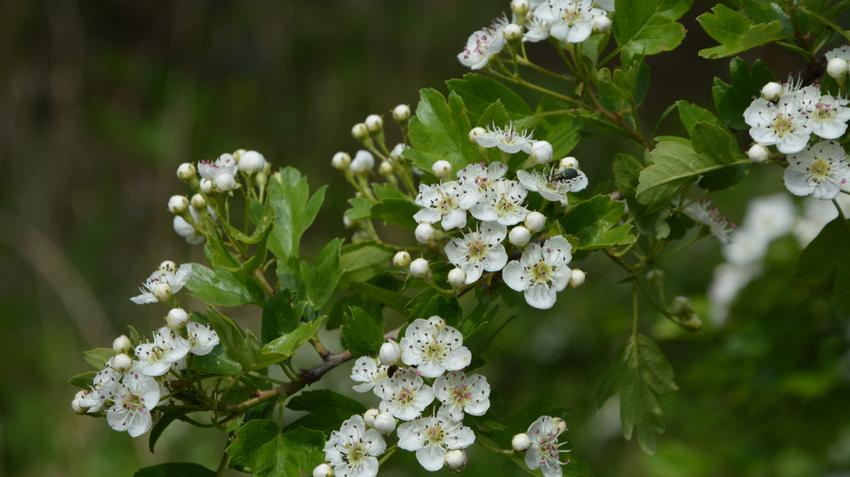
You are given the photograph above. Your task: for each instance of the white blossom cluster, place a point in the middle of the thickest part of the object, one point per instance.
(788, 116)
(134, 381)
(420, 381)
(567, 21)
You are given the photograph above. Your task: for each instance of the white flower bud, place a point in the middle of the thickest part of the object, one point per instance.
(176, 318)
(167, 266)
(363, 161)
(359, 131)
(384, 423)
(121, 344)
(374, 123)
(347, 222)
(424, 233)
(401, 259)
(512, 32)
(251, 162)
(771, 91)
(758, 153)
(601, 23)
(541, 152)
(521, 442)
(401, 113)
(456, 278)
(225, 182)
(836, 68)
(456, 459)
(535, 221)
(323, 470)
(206, 186)
(390, 353)
(519, 236)
(121, 362)
(420, 268)
(370, 415)
(386, 168)
(186, 171)
(177, 204)
(577, 278)
(162, 291)
(341, 161)
(442, 168)
(476, 132)
(568, 162)
(183, 228)
(520, 7)
(199, 202)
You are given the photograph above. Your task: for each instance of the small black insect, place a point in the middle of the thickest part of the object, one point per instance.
(565, 175)
(392, 370)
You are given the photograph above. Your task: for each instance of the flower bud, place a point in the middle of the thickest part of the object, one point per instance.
(457, 277)
(682, 306)
(199, 202)
(323, 470)
(541, 152)
(512, 32)
(758, 153)
(251, 162)
(577, 278)
(167, 266)
(560, 425)
(601, 23)
(186, 171)
(176, 318)
(363, 161)
(359, 131)
(521, 442)
(837, 68)
(520, 7)
(535, 221)
(206, 186)
(568, 162)
(183, 228)
(121, 344)
(386, 168)
(347, 222)
(424, 233)
(77, 403)
(177, 204)
(370, 415)
(456, 459)
(655, 277)
(225, 182)
(476, 132)
(341, 161)
(401, 259)
(162, 291)
(519, 236)
(384, 423)
(374, 123)
(401, 113)
(390, 353)
(121, 362)
(442, 168)
(420, 268)
(771, 91)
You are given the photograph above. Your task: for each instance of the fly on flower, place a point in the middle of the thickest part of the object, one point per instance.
(554, 184)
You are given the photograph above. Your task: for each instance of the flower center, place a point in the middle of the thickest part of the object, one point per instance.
(477, 250)
(782, 125)
(823, 112)
(541, 272)
(405, 396)
(461, 394)
(448, 203)
(571, 15)
(355, 453)
(434, 351)
(133, 402)
(820, 169)
(504, 205)
(434, 434)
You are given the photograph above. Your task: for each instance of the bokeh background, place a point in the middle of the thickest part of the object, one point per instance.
(100, 100)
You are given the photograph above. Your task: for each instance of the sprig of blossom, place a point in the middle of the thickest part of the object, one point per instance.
(166, 281)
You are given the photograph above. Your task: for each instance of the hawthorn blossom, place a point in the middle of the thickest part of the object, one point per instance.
(570, 21)
(478, 251)
(167, 280)
(541, 272)
(507, 139)
(460, 393)
(502, 203)
(155, 359)
(703, 212)
(482, 175)
(842, 52)
(446, 203)
(829, 117)
(545, 451)
(202, 339)
(784, 124)
(432, 437)
(352, 451)
(820, 170)
(483, 45)
(369, 373)
(187, 230)
(555, 184)
(221, 172)
(134, 399)
(434, 347)
(104, 385)
(405, 395)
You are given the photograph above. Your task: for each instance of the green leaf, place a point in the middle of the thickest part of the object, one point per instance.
(361, 208)
(430, 302)
(327, 409)
(291, 454)
(97, 357)
(690, 114)
(260, 231)
(162, 423)
(827, 259)
(479, 92)
(175, 470)
(82, 380)
(595, 222)
(362, 261)
(321, 277)
(248, 440)
(280, 315)
(362, 333)
(731, 99)
(285, 346)
(396, 211)
(440, 130)
(648, 27)
(223, 288)
(626, 172)
(295, 209)
(638, 374)
(215, 363)
(736, 32)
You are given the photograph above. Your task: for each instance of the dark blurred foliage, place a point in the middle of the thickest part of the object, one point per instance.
(99, 102)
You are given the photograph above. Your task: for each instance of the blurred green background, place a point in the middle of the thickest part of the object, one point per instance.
(101, 100)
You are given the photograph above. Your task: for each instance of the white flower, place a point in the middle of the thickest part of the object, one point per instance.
(482, 175)
(502, 203)
(446, 203)
(555, 184)
(134, 399)
(202, 339)
(703, 212)
(784, 124)
(508, 139)
(434, 347)
(168, 274)
(405, 395)
(398, 151)
(842, 52)
(838, 58)
(816, 214)
(541, 272)
(389, 353)
(570, 21)
(545, 451)
(541, 152)
(103, 388)
(432, 437)
(479, 251)
(820, 171)
(251, 162)
(220, 173)
(186, 230)
(483, 45)
(460, 393)
(155, 359)
(352, 451)
(829, 117)
(369, 373)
